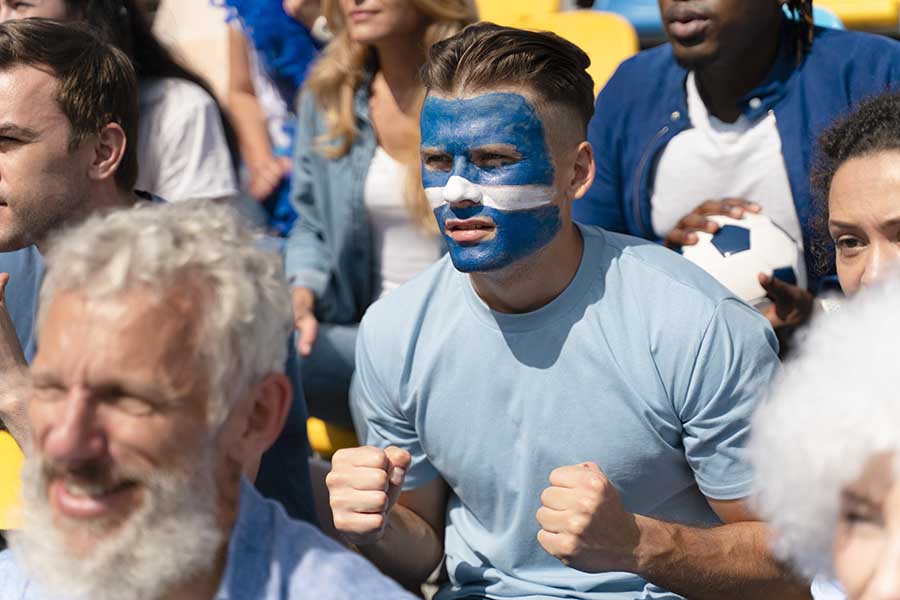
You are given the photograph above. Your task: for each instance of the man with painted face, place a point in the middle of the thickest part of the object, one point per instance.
(722, 120)
(546, 405)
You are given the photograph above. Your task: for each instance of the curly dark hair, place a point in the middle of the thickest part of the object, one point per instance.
(872, 126)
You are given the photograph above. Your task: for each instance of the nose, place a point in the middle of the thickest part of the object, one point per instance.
(77, 435)
(883, 257)
(885, 583)
(459, 189)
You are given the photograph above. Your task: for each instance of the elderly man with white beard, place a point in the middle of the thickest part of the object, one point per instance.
(157, 386)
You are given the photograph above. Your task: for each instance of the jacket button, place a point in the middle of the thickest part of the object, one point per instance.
(675, 115)
(755, 103)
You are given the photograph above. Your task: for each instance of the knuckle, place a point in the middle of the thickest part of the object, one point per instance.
(587, 504)
(578, 524)
(380, 479)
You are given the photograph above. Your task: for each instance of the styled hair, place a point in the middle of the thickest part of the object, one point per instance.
(96, 82)
(125, 24)
(486, 56)
(345, 65)
(244, 305)
(873, 126)
(833, 409)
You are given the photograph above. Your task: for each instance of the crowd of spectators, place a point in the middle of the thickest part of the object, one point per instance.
(431, 231)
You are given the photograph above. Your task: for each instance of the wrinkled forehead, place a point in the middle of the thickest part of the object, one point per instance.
(456, 125)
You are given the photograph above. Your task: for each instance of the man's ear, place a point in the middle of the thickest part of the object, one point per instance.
(108, 150)
(260, 417)
(583, 171)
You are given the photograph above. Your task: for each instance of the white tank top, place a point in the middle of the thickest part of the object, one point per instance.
(403, 249)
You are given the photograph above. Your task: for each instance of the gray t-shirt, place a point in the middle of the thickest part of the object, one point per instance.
(644, 365)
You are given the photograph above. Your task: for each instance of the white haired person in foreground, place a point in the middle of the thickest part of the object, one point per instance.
(157, 386)
(826, 448)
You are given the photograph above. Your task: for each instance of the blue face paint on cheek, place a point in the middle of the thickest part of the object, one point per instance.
(463, 129)
(519, 234)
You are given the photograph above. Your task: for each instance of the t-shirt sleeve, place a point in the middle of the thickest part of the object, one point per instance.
(377, 414)
(187, 146)
(736, 361)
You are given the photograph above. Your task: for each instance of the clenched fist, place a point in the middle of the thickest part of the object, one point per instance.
(584, 524)
(363, 486)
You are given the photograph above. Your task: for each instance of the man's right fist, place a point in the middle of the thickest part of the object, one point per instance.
(363, 486)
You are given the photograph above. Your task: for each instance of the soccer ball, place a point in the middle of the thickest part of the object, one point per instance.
(743, 248)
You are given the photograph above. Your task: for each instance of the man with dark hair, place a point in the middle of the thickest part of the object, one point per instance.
(544, 349)
(68, 115)
(722, 120)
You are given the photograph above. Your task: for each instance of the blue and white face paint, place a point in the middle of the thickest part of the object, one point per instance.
(488, 176)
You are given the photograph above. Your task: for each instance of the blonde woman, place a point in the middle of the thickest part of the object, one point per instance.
(362, 226)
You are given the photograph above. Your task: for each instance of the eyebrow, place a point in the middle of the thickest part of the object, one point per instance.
(843, 224)
(15, 131)
(148, 392)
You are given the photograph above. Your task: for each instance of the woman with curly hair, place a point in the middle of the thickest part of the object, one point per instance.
(857, 182)
(363, 222)
(833, 426)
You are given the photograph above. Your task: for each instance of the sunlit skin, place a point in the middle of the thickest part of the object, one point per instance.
(42, 182)
(117, 391)
(867, 542)
(864, 218)
(493, 160)
(19, 9)
(376, 21)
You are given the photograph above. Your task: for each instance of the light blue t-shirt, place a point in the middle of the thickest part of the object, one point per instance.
(644, 365)
(26, 271)
(270, 557)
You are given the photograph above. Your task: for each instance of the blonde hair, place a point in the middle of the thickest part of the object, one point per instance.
(343, 68)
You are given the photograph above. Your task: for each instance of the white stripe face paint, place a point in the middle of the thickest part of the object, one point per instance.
(499, 197)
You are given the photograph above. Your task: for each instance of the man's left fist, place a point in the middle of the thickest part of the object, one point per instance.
(584, 524)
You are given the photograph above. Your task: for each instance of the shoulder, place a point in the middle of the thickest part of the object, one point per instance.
(181, 94)
(833, 48)
(414, 300)
(650, 265)
(657, 65)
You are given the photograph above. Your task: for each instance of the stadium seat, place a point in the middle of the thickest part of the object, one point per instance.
(510, 12)
(10, 483)
(872, 15)
(607, 38)
(325, 439)
(644, 14)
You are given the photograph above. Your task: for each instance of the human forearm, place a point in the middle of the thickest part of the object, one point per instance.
(410, 549)
(731, 561)
(13, 404)
(250, 124)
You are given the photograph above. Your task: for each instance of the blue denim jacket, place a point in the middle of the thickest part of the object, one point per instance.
(329, 250)
(270, 557)
(644, 106)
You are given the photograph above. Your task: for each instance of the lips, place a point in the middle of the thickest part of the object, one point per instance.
(686, 21)
(470, 231)
(80, 500)
(361, 15)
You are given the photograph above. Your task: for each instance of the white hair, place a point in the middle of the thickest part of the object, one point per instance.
(835, 407)
(245, 303)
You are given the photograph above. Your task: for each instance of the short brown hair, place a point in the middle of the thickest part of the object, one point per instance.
(486, 56)
(97, 84)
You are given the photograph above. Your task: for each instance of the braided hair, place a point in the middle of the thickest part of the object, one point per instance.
(804, 29)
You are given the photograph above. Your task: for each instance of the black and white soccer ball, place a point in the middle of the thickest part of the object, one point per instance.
(743, 248)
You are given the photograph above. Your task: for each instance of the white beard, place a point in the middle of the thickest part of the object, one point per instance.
(172, 536)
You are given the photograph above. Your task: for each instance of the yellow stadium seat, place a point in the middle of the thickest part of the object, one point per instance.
(878, 15)
(510, 12)
(10, 483)
(607, 38)
(326, 439)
